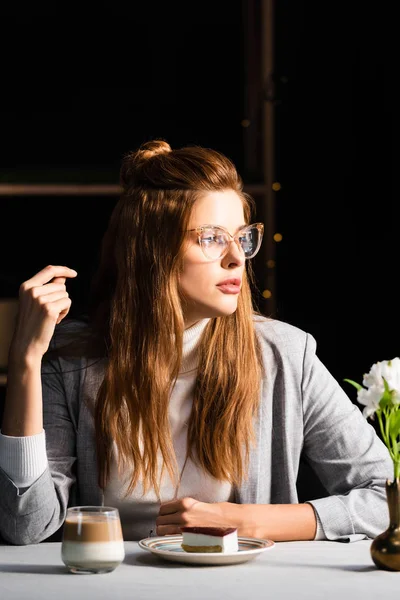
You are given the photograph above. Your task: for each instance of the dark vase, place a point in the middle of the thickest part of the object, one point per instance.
(385, 548)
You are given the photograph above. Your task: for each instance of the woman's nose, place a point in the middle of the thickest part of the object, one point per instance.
(234, 253)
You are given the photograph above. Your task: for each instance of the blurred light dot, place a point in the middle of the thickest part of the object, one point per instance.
(271, 264)
(267, 293)
(245, 123)
(277, 237)
(276, 186)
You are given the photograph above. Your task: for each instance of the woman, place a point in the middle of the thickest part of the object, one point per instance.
(176, 401)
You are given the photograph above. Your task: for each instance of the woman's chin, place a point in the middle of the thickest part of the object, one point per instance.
(225, 310)
(219, 309)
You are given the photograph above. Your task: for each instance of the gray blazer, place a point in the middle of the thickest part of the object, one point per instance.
(303, 411)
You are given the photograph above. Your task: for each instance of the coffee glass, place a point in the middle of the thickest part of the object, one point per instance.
(92, 539)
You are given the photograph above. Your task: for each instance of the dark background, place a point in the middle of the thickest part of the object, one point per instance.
(81, 90)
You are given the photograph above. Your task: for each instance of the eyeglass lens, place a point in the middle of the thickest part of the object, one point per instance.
(214, 241)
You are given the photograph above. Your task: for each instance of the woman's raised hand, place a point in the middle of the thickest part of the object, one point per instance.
(43, 303)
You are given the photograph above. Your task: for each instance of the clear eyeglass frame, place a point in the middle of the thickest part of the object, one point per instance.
(228, 238)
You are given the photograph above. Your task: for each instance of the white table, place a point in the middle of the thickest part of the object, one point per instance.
(291, 570)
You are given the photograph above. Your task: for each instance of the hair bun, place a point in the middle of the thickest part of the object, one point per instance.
(139, 168)
(153, 148)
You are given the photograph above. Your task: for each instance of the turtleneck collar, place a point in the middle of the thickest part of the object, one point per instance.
(191, 338)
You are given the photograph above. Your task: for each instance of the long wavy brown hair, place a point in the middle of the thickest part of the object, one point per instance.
(137, 310)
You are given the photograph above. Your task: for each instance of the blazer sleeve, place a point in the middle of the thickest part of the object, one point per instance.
(31, 515)
(346, 453)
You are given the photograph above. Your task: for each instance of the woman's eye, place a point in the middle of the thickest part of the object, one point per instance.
(214, 239)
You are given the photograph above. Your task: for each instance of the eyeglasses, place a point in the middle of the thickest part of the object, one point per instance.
(214, 240)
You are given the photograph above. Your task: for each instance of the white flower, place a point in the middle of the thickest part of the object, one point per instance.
(389, 369)
(374, 382)
(370, 398)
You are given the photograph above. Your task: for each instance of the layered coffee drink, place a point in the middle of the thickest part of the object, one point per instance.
(92, 539)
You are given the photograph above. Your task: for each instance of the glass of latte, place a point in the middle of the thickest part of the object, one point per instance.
(92, 539)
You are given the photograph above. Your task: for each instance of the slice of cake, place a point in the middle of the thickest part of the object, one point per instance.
(209, 539)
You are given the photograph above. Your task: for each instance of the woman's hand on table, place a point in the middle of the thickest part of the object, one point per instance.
(188, 512)
(278, 522)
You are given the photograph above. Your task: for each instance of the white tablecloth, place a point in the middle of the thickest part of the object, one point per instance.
(291, 570)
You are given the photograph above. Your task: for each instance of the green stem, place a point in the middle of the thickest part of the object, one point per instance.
(379, 415)
(387, 428)
(393, 439)
(385, 433)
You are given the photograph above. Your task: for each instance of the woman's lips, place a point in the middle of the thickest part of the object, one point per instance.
(229, 288)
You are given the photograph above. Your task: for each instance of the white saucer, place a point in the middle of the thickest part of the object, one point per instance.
(169, 547)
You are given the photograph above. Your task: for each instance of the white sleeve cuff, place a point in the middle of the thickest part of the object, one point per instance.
(320, 534)
(23, 459)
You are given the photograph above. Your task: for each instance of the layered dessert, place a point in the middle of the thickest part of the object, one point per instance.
(209, 539)
(92, 543)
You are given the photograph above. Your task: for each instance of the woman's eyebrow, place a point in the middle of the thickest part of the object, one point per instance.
(237, 229)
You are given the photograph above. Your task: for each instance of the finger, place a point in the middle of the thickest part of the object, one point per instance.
(47, 289)
(45, 299)
(47, 274)
(63, 314)
(168, 508)
(59, 308)
(174, 519)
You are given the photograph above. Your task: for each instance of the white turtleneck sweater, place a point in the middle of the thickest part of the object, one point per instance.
(139, 511)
